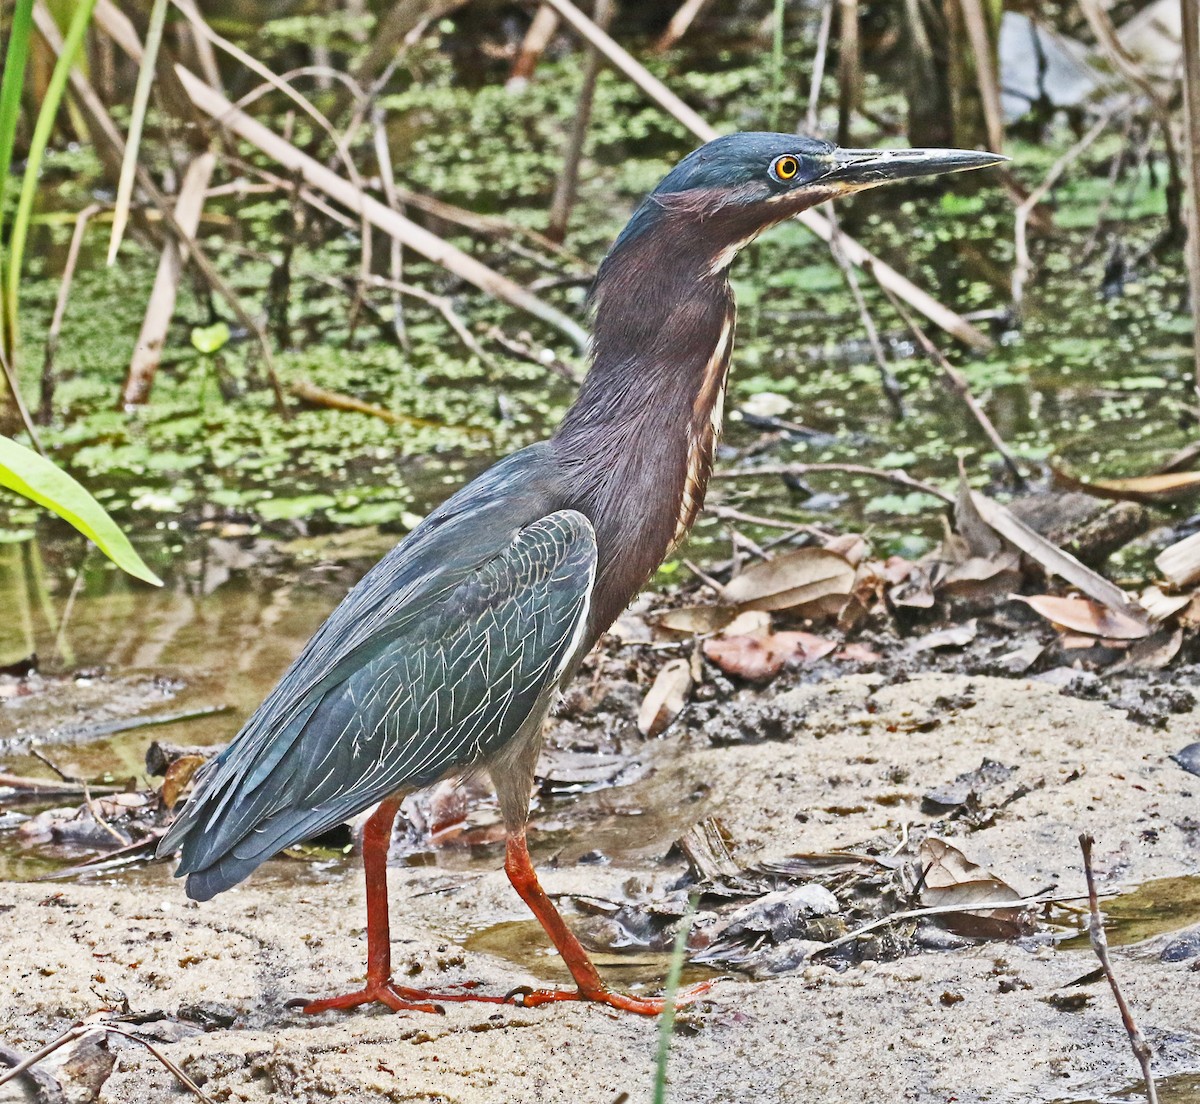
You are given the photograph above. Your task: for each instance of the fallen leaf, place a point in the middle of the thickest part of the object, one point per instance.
(666, 697)
(858, 653)
(692, 620)
(793, 580)
(915, 592)
(760, 658)
(178, 775)
(851, 546)
(1082, 615)
(1180, 562)
(958, 636)
(1054, 560)
(1160, 606)
(750, 623)
(1152, 654)
(1163, 487)
(949, 878)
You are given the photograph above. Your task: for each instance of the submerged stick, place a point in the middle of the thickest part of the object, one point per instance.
(1141, 1048)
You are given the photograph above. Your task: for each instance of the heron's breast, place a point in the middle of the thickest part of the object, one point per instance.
(705, 429)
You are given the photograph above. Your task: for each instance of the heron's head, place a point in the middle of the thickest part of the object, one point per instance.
(721, 196)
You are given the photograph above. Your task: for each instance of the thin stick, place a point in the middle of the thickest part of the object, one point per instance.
(147, 352)
(137, 117)
(683, 18)
(1191, 103)
(1024, 265)
(891, 386)
(383, 155)
(985, 71)
(1141, 1049)
(45, 408)
(888, 475)
(49, 1091)
(849, 68)
(941, 910)
(70, 1035)
(10, 377)
(537, 38)
(568, 180)
(659, 93)
(959, 383)
(814, 88)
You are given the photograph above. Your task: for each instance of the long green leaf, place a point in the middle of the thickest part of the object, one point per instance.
(36, 478)
(11, 83)
(80, 19)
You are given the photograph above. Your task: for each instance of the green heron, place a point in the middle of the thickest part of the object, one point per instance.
(446, 658)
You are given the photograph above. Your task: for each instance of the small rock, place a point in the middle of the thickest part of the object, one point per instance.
(1185, 947)
(1189, 758)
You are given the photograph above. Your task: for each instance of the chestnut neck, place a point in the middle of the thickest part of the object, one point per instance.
(635, 449)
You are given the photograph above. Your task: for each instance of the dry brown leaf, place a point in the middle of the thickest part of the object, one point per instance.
(750, 623)
(692, 620)
(1164, 487)
(852, 546)
(760, 658)
(178, 775)
(1151, 654)
(1160, 606)
(1082, 615)
(806, 579)
(666, 698)
(1180, 562)
(858, 653)
(957, 636)
(1055, 561)
(949, 878)
(915, 592)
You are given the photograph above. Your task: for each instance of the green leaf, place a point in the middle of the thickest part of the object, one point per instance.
(210, 339)
(24, 471)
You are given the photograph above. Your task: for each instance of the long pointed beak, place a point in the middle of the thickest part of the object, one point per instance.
(853, 170)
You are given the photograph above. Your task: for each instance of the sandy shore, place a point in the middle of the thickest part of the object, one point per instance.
(994, 1022)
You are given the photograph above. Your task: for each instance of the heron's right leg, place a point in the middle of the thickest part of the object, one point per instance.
(379, 987)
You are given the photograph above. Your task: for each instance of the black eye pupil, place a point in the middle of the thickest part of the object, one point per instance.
(786, 167)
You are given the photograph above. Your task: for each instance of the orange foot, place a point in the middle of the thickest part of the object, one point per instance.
(399, 998)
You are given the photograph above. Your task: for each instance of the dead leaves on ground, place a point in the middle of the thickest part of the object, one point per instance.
(794, 607)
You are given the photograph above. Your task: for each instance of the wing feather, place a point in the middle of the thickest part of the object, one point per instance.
(433, 689)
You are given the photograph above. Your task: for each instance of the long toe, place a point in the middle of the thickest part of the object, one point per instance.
(642, 1006)
(390, 996)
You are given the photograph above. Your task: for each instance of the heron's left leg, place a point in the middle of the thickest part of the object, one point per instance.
(591, 986)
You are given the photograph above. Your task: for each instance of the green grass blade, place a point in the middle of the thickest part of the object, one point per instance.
(36, 478)
(15, 57)
(141, 98)
(666, 1022)
(10, 89)
(80, 19)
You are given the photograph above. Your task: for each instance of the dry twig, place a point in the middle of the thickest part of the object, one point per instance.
(889, 475)
(1141, 1049)
(45, 407)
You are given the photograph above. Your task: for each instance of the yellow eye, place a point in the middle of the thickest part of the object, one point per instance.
(785, 167)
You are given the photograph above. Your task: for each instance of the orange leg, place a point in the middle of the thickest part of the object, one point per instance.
(380, 989)
(591, 986)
